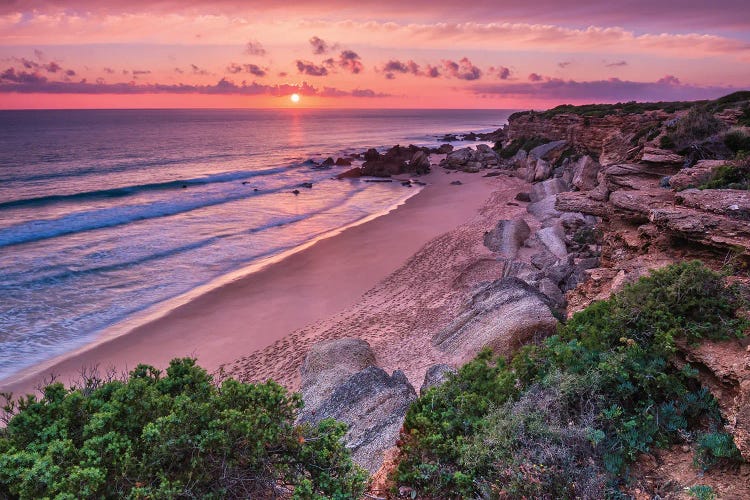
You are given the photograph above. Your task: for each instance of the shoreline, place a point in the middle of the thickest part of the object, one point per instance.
(222, 320)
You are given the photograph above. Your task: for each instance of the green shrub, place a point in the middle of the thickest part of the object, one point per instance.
(179, 435)
(603, 388)
(731, 176)
(715, 447)
(744, 119)
(666, 142)
(701, 492)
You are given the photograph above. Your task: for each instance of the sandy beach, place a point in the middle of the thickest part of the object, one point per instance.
(290, 303)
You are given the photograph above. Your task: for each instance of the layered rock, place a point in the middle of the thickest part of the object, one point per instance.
(503, 316)
(339, 380)
(397, 160)
(507, 237)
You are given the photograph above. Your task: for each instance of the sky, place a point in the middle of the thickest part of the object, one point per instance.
(368, 53)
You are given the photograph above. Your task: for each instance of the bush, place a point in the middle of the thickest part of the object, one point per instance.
(179, 435)
(715, 447)
(696, 126)
(731, 176)
(603, 388)
(737, 140)
(701, 492)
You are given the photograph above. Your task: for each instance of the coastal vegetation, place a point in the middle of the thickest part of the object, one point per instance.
(565, 418)
(173, 435)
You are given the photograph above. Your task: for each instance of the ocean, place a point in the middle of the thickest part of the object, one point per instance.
(107, 214)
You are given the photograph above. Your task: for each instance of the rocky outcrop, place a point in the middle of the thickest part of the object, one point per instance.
(585, 173)
(503, 316)
(436, 375)
(724, 367)
(339, 380)
(471, 160)
(328, 364)
(657, 155)
(550, 187)
(507, 237)
(373, 405)
(397, 160)
(695, 176)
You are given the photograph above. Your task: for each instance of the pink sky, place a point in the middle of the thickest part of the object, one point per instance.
(335, 53)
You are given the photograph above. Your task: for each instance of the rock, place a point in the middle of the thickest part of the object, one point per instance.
(449, 138)
(350, 174)
(457, 159)
(503, 315)
(371, 155)
(420, 163)
(328, 162)
(307, 185)
(526, 197)
(725, 370)
(436, 375)
(537, 170)
(585, 173)
(444, 149)
(544, 209)
(406, 183)
(373, 405)
(471, 136)
(549, 187)
(330, 363)
(343, 162)
(507, 237)
(547, 151)
(553, 239)
(638, 204)
(656, 155)
(730, 202)
(581, 202)
(695, 176)
(295, 192)
(310, 161)
(705, 228)
(456, 183)
(543, 259)
(553, 293)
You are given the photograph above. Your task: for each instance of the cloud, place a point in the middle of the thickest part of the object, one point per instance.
(616, 64)
(253, 69)
(140, 72)
(198, 71)
(463, 69)
(502, 72)
(31, 83)
(668, 88)
(350, 61)
(393, 66)
(109, 71)
(535, 77)
(309, 68)
(564, 64)
(254, 48)
(319, 45)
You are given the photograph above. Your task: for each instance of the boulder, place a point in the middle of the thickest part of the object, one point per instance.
(503, 316)
(547, 151)
(525, 197)
(585, 173)
(371, 155)
(656, 155)
(436, 375)
(553, 239)
(330, 363)
(457, 159)
(420, 163)
(552, 292)
(444, 149)
(343, 162)
(351, 173)
(507, 237)
(544, 209)
(549, 187)
(373, 405)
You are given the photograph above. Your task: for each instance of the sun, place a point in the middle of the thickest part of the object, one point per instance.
(294, 98)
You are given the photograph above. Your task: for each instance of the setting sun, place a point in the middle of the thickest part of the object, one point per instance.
(294, 98)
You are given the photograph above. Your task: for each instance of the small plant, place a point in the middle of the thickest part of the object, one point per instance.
(701, 492)
(732, 176)
(525, 143)
(714, 448)
(696, 126)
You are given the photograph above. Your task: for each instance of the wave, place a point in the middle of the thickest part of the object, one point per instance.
(138, 188)
(116, 216)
